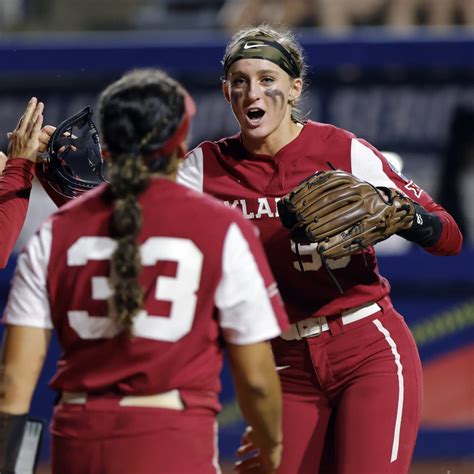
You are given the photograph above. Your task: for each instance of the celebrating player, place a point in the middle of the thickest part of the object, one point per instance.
(16, 175)
(142, 279)
(349, 367)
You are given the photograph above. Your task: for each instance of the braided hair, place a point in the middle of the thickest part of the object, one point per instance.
(137, 114)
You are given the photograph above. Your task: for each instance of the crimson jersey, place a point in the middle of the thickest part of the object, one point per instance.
(15, 187)
(204, 274)
(255, 183)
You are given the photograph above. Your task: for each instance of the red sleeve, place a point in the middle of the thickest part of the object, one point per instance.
(450, 242)
(15, 188)
(57, 198)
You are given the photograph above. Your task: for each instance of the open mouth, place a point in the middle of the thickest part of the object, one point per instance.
(255, 115)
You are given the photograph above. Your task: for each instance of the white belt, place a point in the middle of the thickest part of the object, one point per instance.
(171, 400)
(311, 327)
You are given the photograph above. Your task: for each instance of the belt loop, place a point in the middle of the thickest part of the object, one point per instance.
(335, 326)
(297, 326)
(385, 304)
(320, 324)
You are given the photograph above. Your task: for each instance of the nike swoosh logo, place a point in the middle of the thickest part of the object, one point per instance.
(283, 367)
(249, 46)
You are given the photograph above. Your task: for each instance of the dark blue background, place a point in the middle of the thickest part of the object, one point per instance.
(67, 70)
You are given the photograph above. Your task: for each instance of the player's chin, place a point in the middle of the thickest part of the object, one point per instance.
(255, 131)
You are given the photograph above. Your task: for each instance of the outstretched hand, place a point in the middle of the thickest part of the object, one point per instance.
(24, 140)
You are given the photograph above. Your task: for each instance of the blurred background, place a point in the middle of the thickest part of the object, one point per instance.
(399, 73)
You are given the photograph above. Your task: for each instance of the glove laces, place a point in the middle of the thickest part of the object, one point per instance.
(326, 266)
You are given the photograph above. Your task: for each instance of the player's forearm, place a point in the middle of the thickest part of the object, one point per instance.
(258, 391)
(451, 239)
(18, 174)
(15, 392)
(54, 195)
(23, 353)
(15, 187)
(434, 230)
(261, 406)
(425, 229)
(11, 222)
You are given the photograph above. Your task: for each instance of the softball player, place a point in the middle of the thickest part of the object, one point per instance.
(349, 367)
(143, 280)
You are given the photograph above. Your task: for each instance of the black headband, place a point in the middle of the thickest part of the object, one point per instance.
(257, 47)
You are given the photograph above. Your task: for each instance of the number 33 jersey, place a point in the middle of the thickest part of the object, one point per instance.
(205, 279)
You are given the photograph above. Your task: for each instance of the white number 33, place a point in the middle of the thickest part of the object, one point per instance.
(180, 290)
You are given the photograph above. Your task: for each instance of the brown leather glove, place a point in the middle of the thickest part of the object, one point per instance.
(342, 213)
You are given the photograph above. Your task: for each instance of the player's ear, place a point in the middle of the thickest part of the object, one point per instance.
(296, 89)
(225, 90)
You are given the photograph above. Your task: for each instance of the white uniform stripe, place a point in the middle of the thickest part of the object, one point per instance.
(191, 172)
(366, 165)
(246, 312)
(28, 303)
(215, 457)
(398, 419)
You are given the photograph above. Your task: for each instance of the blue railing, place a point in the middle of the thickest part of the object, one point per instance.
(201, 53)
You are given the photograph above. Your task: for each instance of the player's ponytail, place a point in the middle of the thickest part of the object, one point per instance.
(129, 176)
(138, 114)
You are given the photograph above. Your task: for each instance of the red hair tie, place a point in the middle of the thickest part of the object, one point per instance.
(181, 132)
